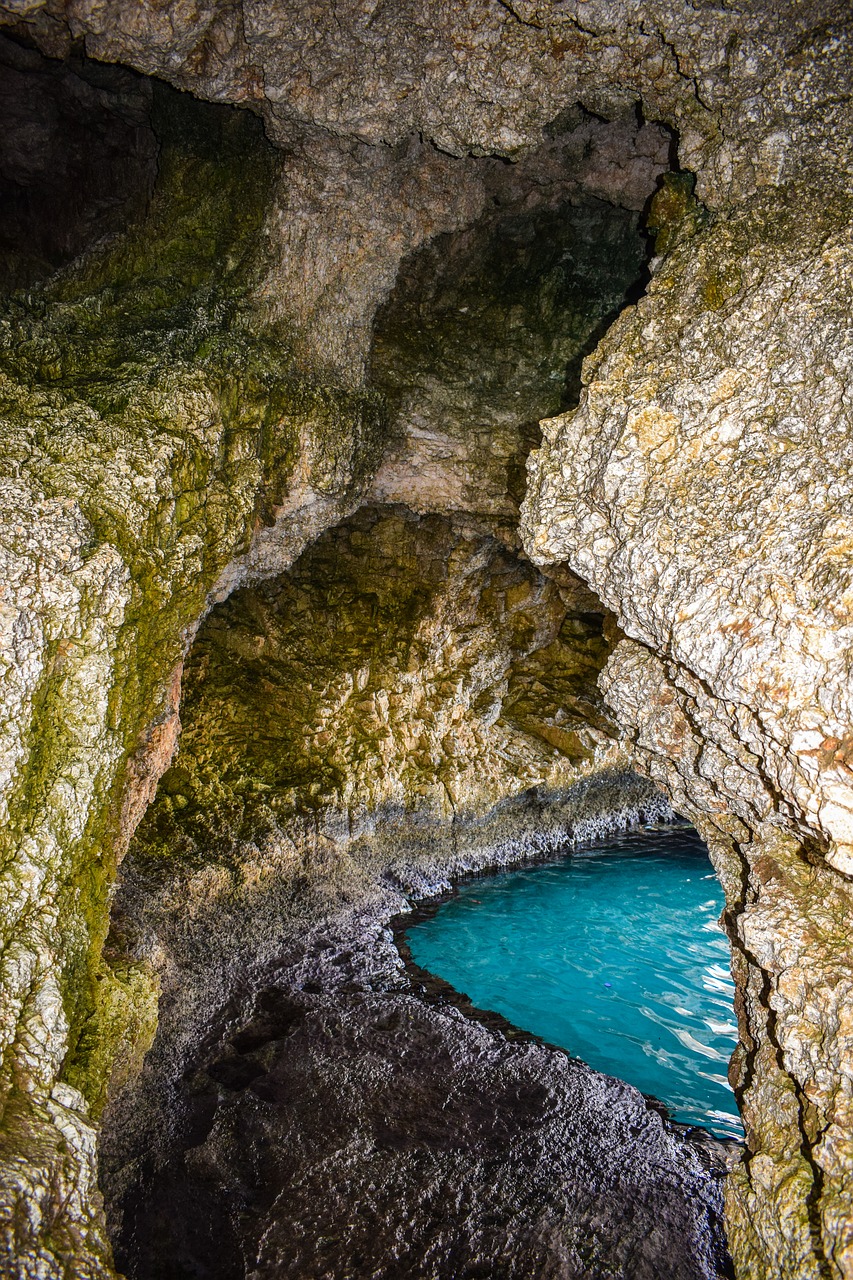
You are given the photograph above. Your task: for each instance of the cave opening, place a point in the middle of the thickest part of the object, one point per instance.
(392, 696)
(487, 327)
(294, 302)
(78, 158)
(409, 698)
(450, 691)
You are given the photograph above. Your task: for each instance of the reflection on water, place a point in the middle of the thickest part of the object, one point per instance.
(615, 954)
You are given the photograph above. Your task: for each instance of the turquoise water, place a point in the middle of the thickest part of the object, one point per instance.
(614, 954)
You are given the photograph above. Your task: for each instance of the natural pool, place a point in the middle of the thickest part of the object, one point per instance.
(614, 954)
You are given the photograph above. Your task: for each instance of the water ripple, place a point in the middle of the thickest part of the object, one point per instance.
(615, 954)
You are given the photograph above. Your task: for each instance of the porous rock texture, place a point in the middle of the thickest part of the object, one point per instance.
(185, 410)
(702, 488)
(149, 429)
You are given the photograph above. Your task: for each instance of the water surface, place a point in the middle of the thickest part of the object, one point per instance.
(614, 954)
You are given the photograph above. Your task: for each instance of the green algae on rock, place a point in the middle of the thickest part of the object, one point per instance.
(700, 489)
(403, 665)
(151, 427)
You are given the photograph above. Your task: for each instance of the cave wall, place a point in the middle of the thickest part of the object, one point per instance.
(485, 330)
(755, 96)
(405, 669)
(701, 488)
(150, 428)
(185, 409)
(78, 158)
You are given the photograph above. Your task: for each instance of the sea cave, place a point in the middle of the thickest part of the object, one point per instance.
(426, 478)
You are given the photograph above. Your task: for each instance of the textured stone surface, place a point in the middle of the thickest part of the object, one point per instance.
(376, 105)
(403, 666)
(148, 427)
(755, 95)
(348, 726)
(712, 470)
(485, 330)
(346, 212)
(333, 1123)
(700, 488)
(163, 447)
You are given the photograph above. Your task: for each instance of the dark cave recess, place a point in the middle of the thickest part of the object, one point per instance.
(78, 158)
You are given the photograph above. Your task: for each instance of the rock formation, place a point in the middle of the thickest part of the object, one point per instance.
(264, 264)
(735, 683)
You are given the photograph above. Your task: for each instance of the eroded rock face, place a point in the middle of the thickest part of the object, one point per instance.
(692, 435)
(755, 96)
(149, 428)
(184, 414)
(175, 438)
(700, 487)
(486, 328)
(406, 668)
(347, 730)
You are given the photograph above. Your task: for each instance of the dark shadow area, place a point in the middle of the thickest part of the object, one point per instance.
(503, 313)
(78, 158)
(487, 328)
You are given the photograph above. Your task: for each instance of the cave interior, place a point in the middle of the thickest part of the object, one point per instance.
(283, 399)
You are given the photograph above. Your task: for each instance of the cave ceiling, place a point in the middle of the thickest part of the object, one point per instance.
(457, 400)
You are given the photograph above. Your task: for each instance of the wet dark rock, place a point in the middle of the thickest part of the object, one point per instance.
(343, 1127)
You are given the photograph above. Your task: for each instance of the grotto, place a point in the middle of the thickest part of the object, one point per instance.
(427, 438)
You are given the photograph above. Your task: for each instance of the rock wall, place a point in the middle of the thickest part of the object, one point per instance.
(185, 409)
(173, 438)
(756, 96)
(150, 432)
(404, 666)
(700, 488)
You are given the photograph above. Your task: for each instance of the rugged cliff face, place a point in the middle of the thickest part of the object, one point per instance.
(735, 683)
(230, 332)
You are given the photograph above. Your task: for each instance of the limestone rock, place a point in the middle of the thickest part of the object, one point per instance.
(185, 411)
(404, 666)
(754, 96)
(700, 488)
(148, 429)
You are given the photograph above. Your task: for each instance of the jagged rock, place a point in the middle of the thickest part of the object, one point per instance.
(699, 488)
(149, 429)
(185, 411)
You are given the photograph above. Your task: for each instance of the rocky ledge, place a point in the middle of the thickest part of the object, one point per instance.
(333, 1116)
